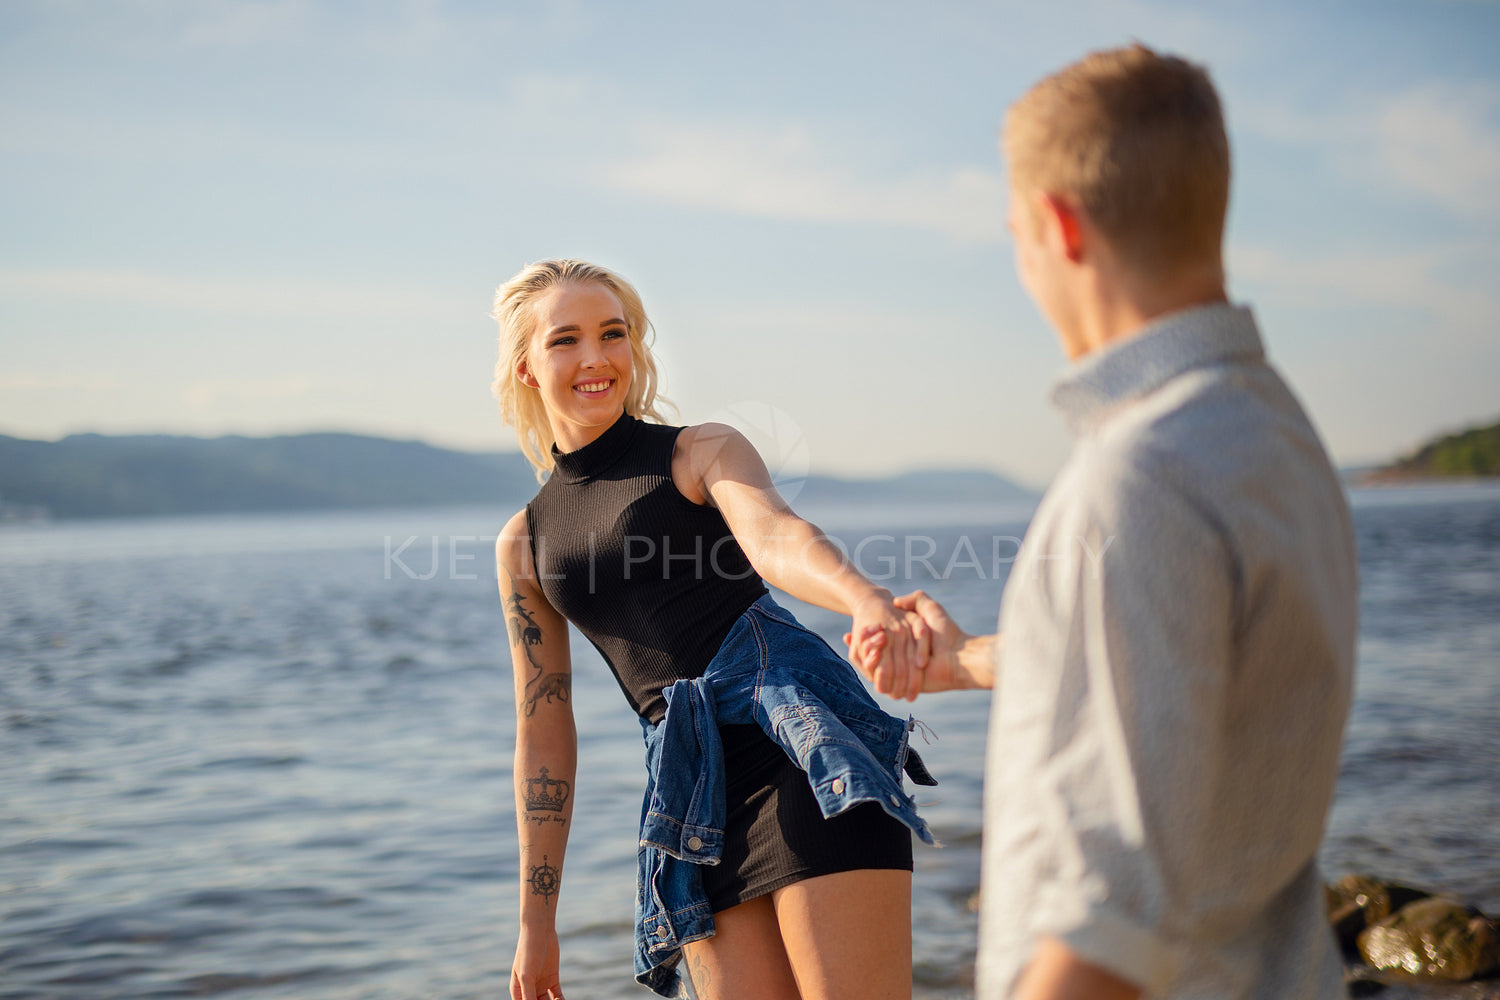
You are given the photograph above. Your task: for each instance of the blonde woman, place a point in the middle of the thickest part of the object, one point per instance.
(775, 843)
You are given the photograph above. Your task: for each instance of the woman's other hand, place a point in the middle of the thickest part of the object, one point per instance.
(535, 973)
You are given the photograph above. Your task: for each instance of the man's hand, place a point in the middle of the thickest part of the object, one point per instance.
(946, 666)
(957, 661)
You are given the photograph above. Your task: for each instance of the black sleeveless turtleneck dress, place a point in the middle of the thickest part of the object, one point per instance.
(655, 582)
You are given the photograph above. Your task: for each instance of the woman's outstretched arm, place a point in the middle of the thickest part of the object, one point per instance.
(715, 464)
(546, 759)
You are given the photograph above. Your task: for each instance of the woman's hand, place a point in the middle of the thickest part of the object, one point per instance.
(956, 660)
(894, 645)
(535, 973)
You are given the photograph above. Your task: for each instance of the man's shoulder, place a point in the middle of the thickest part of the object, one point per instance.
(1196, 447)
(1200, 406)
(1227, 450)
(1211, 430)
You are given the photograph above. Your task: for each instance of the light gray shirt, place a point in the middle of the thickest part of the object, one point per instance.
(1178, 657)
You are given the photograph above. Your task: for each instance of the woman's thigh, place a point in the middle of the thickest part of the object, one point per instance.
(847, 935)
(744, 960)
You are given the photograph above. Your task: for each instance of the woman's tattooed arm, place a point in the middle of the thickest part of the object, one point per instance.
(546, 757)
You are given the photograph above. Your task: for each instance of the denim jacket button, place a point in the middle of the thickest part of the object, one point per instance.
(663, 931)
(695, 843)
(837, 786)
(896, 801)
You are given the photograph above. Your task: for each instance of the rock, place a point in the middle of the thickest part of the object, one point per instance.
(1359, 901)
(1435, 937)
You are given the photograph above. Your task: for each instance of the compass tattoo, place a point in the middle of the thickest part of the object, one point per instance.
(526, 633)
(545, 880)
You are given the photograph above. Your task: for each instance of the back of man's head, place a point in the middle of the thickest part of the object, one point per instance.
(1138, 139)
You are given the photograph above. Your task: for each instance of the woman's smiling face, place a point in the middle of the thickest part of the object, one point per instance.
(579, 360)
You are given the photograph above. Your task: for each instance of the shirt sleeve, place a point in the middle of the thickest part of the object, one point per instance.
(1142, 612)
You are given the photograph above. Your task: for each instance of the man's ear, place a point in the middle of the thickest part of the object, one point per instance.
(1062, 222)
(524, 376)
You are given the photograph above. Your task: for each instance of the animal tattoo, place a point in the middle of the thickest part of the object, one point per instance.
(526, 633)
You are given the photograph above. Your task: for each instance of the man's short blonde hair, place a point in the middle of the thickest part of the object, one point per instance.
(1138, 138)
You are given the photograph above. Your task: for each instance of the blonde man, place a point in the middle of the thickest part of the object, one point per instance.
(1180, 626)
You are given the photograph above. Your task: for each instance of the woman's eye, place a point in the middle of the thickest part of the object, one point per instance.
(614, 333)
(561, 342)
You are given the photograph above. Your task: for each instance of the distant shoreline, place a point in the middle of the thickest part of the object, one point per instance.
(1393, 478)
(89, 476)
(1472, 454)
(95, 476)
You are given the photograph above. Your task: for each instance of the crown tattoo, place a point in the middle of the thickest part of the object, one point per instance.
(544, 793)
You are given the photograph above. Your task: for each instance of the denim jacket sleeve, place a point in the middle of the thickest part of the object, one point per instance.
(772, 671)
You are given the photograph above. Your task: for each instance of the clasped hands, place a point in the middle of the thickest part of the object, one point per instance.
(908, 645)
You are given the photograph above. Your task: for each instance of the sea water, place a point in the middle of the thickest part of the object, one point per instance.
(271, 755)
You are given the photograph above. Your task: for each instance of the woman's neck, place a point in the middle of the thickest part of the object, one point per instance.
(573, 436)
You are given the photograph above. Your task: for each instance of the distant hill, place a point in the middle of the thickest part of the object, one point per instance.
(1467, 454)
(92, 475)
(919, 487)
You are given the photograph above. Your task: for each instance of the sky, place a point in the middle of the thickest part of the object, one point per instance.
(223, 216)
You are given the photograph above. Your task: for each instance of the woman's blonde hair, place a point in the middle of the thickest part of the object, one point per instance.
(521, 405)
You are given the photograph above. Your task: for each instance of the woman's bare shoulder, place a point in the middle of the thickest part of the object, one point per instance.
(704, 452)
(513, 546)
(694, 433)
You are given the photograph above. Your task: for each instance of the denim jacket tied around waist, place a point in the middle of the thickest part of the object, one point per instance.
(772, 671)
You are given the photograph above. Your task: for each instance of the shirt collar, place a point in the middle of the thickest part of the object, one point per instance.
(1164, 349)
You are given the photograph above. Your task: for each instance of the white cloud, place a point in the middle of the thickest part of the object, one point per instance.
(1411, 279)
(33, 381)
(393, 27)
(1439, 141)
(869, 387)
(175, 139)
(235, 295)
(169, 23)
(786, 173)
(209, 394)
(224, 24)
(1444, 142)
